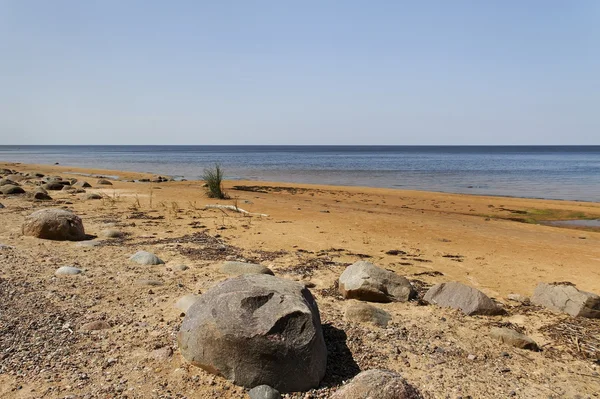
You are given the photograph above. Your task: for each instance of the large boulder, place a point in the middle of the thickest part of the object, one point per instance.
(4, 182)
(237, 268)
(459, 296)
(257, 329)
(367, 282)
(568, 299)
(377, 384)
(54, 224)
(9, 189)
(53, 186)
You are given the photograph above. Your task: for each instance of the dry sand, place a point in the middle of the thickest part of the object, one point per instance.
(311, 233)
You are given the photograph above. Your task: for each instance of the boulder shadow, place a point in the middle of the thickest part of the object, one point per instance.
(340, 363)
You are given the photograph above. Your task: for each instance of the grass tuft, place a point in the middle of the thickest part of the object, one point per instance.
(214, 182)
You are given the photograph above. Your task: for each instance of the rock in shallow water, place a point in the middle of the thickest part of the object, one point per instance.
(67, 271)
(146, 258)
(257, 329)
(367, 282)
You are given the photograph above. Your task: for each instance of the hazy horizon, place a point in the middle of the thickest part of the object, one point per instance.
(316, 73)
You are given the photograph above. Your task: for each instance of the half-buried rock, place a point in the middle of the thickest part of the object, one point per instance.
(568, 299)
(239, 268)
(10, 189)
(257, 329)
(367, 282)
(459, 296)
(377, 384)
(146, 258)
(365, 313)
(513, 338)
(54, 224)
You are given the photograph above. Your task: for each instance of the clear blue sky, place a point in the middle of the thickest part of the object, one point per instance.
(299, 72)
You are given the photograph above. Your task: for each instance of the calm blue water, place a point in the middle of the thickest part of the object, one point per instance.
(556, 172)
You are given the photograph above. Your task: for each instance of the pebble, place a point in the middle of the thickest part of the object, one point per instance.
(1, 206)
(180, 268)
(67, 271)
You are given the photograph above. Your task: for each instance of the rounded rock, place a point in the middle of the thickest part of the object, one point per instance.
(146, 258)
(67, 271)
(54, 224)
(257, 329)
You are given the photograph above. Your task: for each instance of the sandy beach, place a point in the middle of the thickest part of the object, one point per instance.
(308, 233)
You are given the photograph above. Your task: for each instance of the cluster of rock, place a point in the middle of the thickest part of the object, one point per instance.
(15, 183)
(264, 332)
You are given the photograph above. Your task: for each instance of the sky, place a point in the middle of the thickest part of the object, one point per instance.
(300, 72)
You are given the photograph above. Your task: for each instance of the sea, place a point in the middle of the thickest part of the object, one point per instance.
(550, 172)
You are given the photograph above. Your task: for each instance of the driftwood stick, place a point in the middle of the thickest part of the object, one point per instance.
(235, 209)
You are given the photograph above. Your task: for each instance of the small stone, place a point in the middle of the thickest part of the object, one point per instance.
(92, 196)
(162, 354)
(42, 196)
(367, 282)
(377, 384)
(146, 258)
(460, 296)
(180, 268)
(67, 271)
(472, 357)
(1, 206)
(95, 325)
(264, 392)
(104, 182)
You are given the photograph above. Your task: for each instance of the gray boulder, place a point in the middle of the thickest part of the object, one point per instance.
(459, 296)
(365, 313)
(42, 196)
(92, 196)
(82, 184)
(146, 258)
(104, 182)
(53, 186)
(67, 271)
(377, 384)
(257, 329)
(238, 268)
(54, 224)
(6, 182)
(513, 338)
(567, 299)
(264, 392)
(367, 282)
(9, 189)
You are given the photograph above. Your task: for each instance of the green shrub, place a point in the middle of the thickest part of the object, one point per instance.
(214, 182)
